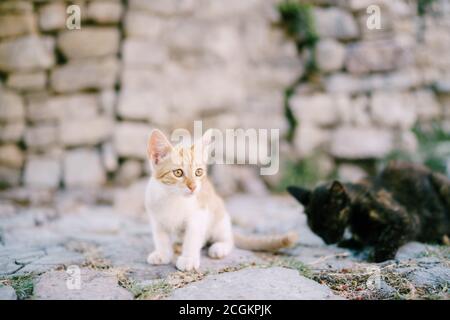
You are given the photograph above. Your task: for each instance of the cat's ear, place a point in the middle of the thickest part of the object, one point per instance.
(337, 188)
(302, 195)
(339, 197)
(158, 146)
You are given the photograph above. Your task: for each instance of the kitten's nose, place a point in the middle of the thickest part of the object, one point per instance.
(192, 186)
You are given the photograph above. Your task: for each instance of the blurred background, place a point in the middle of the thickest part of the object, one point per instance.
(76, 106)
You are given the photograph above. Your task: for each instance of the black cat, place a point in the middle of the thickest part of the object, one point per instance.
(404, 202)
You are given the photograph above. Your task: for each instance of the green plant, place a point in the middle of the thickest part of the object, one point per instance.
(158, 289)
(292, 121)
(23, 285)
(305, 172)
(433, 149)
(297, 19)
(292, 263)
(4, 185)
(423, 5)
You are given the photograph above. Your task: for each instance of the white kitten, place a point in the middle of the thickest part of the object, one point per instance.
(181, 201)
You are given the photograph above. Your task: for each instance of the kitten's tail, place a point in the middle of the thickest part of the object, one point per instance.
(265, 242)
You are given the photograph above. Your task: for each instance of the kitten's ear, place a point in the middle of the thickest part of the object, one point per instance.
(337, 188)
(339, 197)
(158, 146)
(302, 195)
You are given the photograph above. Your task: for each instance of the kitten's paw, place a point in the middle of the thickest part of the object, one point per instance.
(219, 250)
(158, 258)
(188, 263)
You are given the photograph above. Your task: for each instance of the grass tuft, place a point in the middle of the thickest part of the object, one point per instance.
(157, 290)
(23, 285)
(292, 263)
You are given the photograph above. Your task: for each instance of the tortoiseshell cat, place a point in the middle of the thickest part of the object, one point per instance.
(404, 202)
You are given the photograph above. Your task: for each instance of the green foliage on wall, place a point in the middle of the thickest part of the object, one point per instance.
(423, 5)
(292, 121)
(298, 21)
(306, 172)
(433, 149)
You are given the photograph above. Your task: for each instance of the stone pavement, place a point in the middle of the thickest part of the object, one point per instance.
(77, 245)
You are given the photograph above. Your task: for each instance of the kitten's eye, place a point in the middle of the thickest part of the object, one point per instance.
(178, 173)
(199, 172)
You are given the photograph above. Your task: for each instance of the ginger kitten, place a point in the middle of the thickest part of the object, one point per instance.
(180, 200)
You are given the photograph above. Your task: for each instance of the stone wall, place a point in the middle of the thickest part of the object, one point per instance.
(372, 86)
(58, 93)
(224, 63)
(76, 106)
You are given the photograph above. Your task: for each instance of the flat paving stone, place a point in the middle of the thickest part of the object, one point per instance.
(426, 272)
(54, 260)
(14, 258)
(270, 214)
(39, 240)
(323, 257)
(414, 250)
(256, 283)
(21, 259)
(7, 293)
(94, 285)
(33, 236)
(236, 258)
